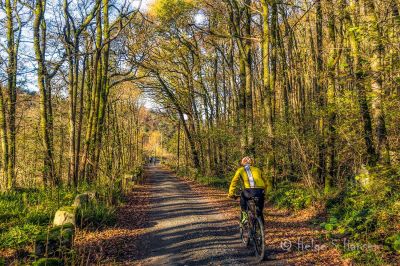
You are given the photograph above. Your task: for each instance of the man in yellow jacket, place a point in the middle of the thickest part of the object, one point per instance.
(254, 186)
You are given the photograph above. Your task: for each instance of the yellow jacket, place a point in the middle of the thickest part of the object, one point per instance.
(251, 178)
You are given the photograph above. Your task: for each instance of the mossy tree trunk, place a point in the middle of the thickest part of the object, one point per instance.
(358, 66)
(4, 140)
(9, 158)
(376, 80)
(320, 95)
(72, 35)
(332, 70)
(49, 174)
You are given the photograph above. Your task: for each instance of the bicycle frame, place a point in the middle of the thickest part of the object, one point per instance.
(254, 222)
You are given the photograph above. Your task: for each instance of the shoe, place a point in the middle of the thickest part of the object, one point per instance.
(244, 217)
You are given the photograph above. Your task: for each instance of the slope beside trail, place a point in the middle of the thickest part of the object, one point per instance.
(170, 221)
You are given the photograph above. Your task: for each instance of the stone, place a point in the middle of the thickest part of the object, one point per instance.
(126, 182)
(81, 200)
(128, 176)
(92, 195)
(65, 215)
(54, 242)
(364, 178)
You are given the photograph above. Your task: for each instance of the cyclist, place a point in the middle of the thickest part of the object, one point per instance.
(254, 186)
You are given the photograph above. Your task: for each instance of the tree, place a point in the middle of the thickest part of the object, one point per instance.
(72, 37)
(359, 79)
(13, 35)
(375, 60)
(49, 174)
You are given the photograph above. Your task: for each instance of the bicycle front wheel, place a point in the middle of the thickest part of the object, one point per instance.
(259, 240)
(245, 233)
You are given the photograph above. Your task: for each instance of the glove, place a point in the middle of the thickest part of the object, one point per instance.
(232, 197)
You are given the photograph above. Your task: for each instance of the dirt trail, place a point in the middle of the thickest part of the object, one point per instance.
(170, 221)
(187, 229)
(196, 225)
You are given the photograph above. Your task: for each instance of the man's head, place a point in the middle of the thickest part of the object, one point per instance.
(246, 161)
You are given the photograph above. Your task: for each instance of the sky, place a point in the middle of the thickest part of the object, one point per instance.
(144, 5)
(26, 55)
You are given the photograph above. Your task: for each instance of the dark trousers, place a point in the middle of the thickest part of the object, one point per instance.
(250, 193)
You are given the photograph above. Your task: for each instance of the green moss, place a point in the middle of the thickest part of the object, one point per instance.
(57, 241)
(367, 212)
(69, 209)
(48, 262)
(81, 200)
(57, 233)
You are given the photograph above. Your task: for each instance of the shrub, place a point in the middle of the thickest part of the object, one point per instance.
(361, 257)
(96, 216)
(367, 212)
(186, 172)
(291, 196)
(217, 182)
(394, 242)
(137, 171)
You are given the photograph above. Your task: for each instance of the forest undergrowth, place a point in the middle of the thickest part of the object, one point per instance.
(360, 220)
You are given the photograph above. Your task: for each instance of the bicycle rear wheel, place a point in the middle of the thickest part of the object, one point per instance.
(259, 240)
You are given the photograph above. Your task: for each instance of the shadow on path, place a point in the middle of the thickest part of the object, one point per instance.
(187, 230)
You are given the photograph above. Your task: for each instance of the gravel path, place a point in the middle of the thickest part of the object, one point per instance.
(187, 230)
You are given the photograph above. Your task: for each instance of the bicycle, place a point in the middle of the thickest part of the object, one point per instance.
(252, 231)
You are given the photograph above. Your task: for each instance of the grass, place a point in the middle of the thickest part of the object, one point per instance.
(94, 216)
(217, 182)
(212, 181)
(368, 213)
(26, 213)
